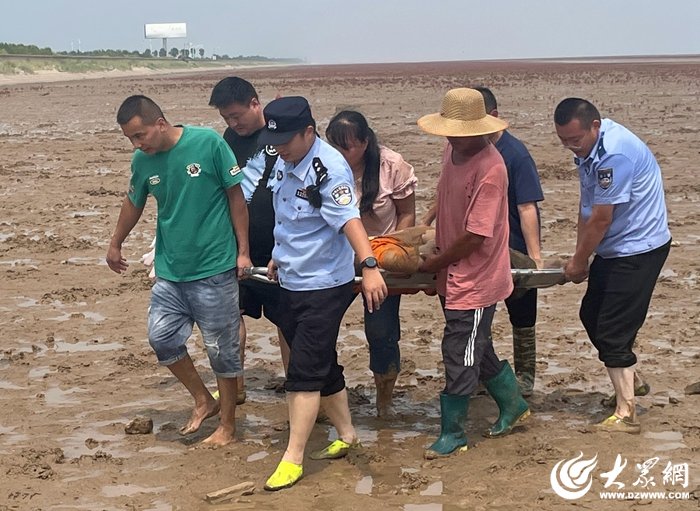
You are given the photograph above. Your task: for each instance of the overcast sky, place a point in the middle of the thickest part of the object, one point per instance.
(345, 31)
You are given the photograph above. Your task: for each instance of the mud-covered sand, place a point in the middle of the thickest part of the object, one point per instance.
(76, 366)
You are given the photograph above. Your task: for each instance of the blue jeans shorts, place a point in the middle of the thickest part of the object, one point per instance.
(212, 303)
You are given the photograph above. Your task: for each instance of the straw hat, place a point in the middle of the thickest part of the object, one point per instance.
(462, 115)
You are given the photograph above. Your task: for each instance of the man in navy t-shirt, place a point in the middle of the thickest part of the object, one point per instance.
(524, 192)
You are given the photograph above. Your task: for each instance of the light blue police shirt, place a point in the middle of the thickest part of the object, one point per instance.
(311, 251)
(252, 173)
(621, 170)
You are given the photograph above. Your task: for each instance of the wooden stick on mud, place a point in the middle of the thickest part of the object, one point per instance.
(219, 496)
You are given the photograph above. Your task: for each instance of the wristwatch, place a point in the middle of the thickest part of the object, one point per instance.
(369, 262)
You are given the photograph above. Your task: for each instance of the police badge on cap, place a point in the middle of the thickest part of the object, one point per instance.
(284, 118)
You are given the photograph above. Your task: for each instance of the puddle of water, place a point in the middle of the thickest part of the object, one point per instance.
(27, 302)
(80, 214)
(128, 490)
(671, 440)
(364, 486)
(94, 316)
(433, 490)
(161, 450)
(19, 262)
(9, 437)
(81, 346)
(423, 507)
(38, 373)
(255, 420)
(57, 397)
(365, 435)
(257, 456)
(670, 446)
(671, 436)
(85, 261)
(6, 385)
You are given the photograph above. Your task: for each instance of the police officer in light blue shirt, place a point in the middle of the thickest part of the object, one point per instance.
(622, 219)
(622, 171)
(317, 228)
(308, 254)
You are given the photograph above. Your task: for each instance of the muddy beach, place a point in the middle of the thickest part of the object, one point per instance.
(76, 367)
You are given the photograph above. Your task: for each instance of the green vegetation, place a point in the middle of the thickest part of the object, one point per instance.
(28, 59)
(23, 49)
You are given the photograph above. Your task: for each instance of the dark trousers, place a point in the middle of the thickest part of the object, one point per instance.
(617, 300)
(522, 310)
(467, 349)
(310, 321)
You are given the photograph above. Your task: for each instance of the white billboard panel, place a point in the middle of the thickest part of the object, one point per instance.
(165, 30)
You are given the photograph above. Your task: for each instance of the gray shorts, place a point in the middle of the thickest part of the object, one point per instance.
(212, 303)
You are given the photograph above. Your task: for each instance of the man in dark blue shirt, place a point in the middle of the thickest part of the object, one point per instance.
(524, 192)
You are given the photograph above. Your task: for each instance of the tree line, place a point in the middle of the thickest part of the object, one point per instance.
(182, 53)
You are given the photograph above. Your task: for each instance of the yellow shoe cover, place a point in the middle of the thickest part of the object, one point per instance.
(240, 396)
(286, 475)
(615, 424)
(336, 449)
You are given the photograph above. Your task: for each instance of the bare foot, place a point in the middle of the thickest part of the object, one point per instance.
(199, 415)
(222, 436)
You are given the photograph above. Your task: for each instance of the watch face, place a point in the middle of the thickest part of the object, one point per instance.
(370, 262)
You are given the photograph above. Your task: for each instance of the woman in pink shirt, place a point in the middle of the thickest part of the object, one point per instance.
(385, 186)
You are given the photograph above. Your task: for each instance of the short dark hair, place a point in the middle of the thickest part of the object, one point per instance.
(576, 108)
(140, 106)
(489, 98)
(232, 90)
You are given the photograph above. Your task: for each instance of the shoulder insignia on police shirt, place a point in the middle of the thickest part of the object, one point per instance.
(279, 175)
(194, 169)
(234, 170)
(341, 195)
(605, 178)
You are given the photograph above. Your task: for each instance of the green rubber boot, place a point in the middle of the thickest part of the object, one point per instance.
(525, 358)
(512, 407)
(453, 414)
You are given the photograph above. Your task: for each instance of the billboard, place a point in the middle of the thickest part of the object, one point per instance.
(165, 30)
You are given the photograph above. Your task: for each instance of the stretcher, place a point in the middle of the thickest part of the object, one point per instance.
(522, 278)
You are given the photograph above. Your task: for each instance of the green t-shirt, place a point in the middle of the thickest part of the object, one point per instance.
(194, 234)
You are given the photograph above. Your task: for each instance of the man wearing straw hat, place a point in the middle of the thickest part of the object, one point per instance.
(473, 266)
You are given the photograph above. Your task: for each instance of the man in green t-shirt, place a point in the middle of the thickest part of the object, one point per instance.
(201, 249)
